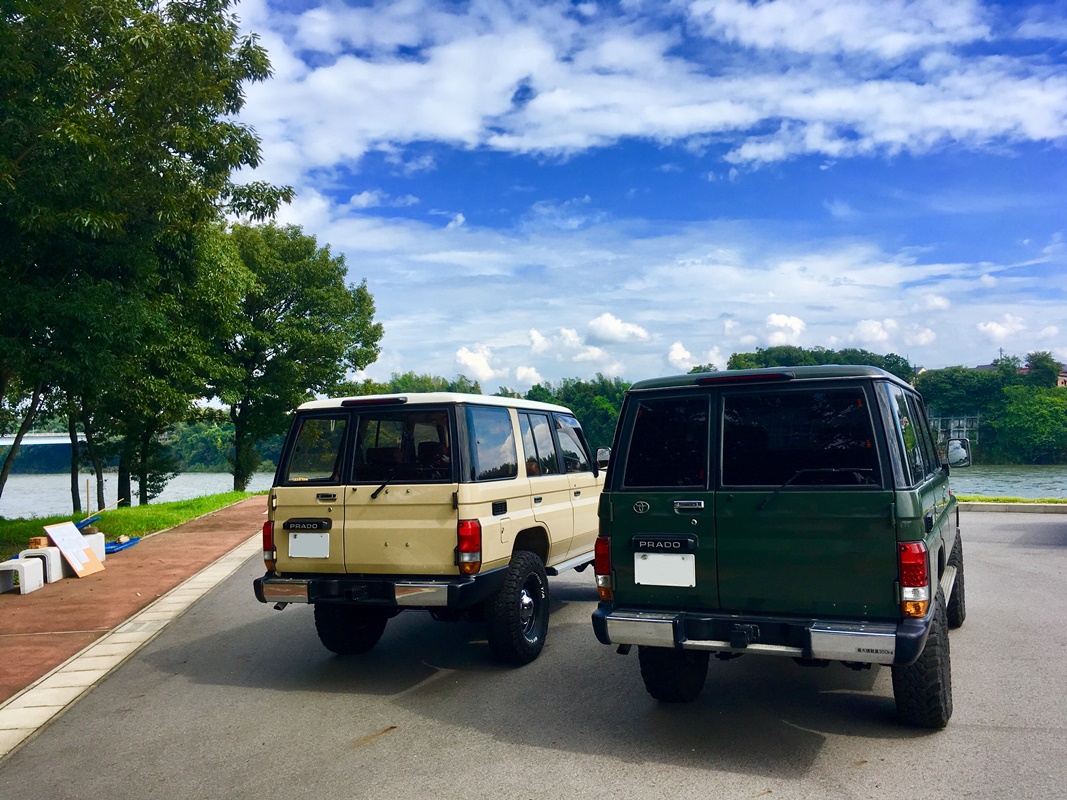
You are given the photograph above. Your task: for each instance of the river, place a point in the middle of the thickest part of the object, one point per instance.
(45, 495)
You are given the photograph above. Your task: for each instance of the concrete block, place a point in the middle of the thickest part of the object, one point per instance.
(30, 572)
(96, 541)
(52, 561)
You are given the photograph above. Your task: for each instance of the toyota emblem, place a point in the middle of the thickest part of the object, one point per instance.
(641, 506)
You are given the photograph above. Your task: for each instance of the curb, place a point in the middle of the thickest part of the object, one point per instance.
(32, 709)
(1016, 508)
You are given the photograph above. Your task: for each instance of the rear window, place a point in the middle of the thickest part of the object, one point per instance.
(409, 446)
(318, 448)
(801, 438)
(669, 444)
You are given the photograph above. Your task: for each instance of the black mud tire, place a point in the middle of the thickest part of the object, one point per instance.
(957, 603)
(923, 690)
(516, 616)
(673, 676)
(349, 630)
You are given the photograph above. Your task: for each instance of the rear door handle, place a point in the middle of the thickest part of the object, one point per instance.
(327, 497)
(537, 499)
(577, 492)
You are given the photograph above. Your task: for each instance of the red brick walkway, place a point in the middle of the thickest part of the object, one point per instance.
(41, 630)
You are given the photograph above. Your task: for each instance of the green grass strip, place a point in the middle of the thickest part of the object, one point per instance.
(133, 522)
(978, 498)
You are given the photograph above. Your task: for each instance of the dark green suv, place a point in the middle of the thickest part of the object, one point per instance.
(801, 512)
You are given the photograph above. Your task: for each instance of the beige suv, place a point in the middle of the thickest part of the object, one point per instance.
(451, 503)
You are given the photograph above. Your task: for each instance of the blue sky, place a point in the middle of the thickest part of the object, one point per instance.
(541, 190)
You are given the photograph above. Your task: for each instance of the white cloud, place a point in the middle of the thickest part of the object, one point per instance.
(680, 358)
(935, 302)
(1051, 332)
(528, 376)
(886, 28)
(476, 362)
(920, 337)
(567, 345)
(873, 332)
(1008, 325)
(609, 328)
(784, 329)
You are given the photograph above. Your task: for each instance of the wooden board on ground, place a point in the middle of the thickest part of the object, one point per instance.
(74, 548)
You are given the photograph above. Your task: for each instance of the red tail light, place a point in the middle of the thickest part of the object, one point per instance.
(269, 555)
(602, 567)
(469, 546)
(914, 579)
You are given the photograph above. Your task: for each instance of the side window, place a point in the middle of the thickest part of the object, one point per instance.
(908, 438)
(668, 444)
(931, 460)
(317, 451)
(494, 454)
(818, 437)
(537, 442)
(571, 446)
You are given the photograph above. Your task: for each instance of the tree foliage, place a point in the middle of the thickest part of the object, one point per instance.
(790, 356)
(595, 403)
(117, 150)
(298, 331)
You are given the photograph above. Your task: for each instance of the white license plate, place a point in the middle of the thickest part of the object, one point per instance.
(665, 569)
(309, 545)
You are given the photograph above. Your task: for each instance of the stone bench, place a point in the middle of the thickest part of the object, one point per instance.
(29, 570)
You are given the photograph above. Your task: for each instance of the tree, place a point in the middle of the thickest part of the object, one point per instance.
(1031, 426)
(117, 146)
(789, 356)
(1043, 370)
(595, 403)
(298, 329)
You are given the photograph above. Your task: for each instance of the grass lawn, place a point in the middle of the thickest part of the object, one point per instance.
(134, 521)
(977, 498)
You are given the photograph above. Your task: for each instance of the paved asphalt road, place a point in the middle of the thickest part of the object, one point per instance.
(235, 700)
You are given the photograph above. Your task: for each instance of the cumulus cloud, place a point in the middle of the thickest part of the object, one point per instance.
(935, 302)
(1008, 325)
(680, 358)
(920, 337)
(1051, 332)
(873, 332)
(568, 345)
(784, 329)
(476, 362)
(609, 328)
(528, 376)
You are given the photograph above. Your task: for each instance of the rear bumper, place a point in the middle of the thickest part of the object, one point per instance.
(834, 640)
(383, 591)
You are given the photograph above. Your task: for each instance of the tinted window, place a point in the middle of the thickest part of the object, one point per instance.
(668, 443)
(931, 462)
(909, 439)
(805, 438)
(538, 444)
(492, 444)
(317, 451)
(571, 446)
(411, 445)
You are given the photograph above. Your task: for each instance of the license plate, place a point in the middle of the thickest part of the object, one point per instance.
(665, 569)
(309, 545)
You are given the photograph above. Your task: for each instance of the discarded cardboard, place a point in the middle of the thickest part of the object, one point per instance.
(77, 552)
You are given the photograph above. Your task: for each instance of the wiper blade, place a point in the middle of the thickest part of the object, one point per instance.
(385, 483)
(800, 472)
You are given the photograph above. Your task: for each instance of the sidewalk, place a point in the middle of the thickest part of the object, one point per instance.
(103, 618)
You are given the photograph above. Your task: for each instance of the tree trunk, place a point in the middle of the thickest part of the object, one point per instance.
(245, 457)
(9, 460)
(124, 474)
(75, 490)
(142, 468)
(94, 458)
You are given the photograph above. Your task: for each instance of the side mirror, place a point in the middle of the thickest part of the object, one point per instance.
(959, 452)
(603, 456)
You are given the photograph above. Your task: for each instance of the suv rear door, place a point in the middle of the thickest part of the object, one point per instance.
(804, 516)
(399, 515)
(308, 497)
(661, 512)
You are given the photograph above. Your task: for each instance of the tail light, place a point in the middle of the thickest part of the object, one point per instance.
(602, 567)
(914, 579)
(469, 546)
(269, 554)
